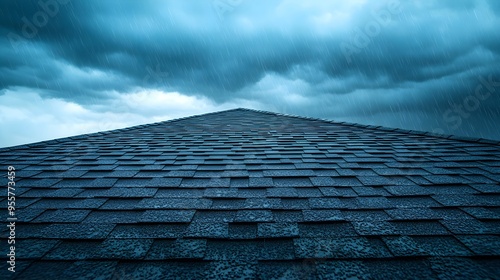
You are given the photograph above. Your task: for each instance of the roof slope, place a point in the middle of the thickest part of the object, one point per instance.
(244, 193)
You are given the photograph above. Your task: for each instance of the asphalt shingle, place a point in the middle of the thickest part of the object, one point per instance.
(340, 247)
(177, 249)
(245, 193)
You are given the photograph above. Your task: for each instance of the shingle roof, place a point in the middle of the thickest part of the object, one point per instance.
(252, 194)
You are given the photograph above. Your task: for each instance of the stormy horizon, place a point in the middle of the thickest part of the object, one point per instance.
(73, 67)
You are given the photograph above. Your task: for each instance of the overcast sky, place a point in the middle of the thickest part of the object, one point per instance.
(73, 67)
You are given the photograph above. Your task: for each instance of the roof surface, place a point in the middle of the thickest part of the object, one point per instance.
(251, 194)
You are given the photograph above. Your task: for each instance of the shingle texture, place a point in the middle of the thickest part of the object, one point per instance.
(251, 194)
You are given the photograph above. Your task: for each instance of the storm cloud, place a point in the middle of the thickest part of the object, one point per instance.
(71, 67)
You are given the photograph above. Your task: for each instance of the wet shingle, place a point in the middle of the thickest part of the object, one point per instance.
(113, 248)
(91, 270)
(277, 230)
(207, 230)
(73, 250)
(322, 215)
(69, 203)
(53, 193)
(242, 231)
(252, 194)
(40, 270)
(455, 267)
(446, 179)
(161, 269)
(113, 217)
(441, 246)
(167, 216)
(399, 269)
(373, 202)
(403, 246)
(375, 181)
(468, 200)
(120, 204)
(308, 192)
(219, 183)
(262, 203)
(221, 193)
(178, 193)
(150, 174)
(131, 182)
(371, 191)
(420, 228)
(254, 216)
(260, 182)
(288, 173)
(180, 173)
(163, 182)
(413, 214)
(228, 204)
(345, 182)
(38, 183)
(214, 216)
(332, 229)
(288, 216)
(249, 250)
(285, 269)
(231, 269)
(482, 213)
(28, 214)
(377, 228)
(295, 203)
(486, 188)
(149, 231)
(409, 190)
(290, 182)
(31, 230)
(232, 250)
(466, 226)
(174, 203)
(77, 231)
(282, 192)
(365, 215)
(341, 247)
(483, 245)
(101, 183)
(122, 173)
(33, 248)
(63, 216)
(413, 202)
(177, 249)
(119, 192)
(195, 183)
(73, 183)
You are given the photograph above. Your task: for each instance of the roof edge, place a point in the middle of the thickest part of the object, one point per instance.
(80, 136)
(392, 129)
(383, 128)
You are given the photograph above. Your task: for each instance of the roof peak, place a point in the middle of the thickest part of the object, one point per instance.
(405, 131)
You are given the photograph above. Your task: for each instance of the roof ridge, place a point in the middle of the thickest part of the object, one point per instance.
(141, 126)
(384, 128)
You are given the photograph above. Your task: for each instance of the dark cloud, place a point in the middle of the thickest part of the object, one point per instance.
(399, 64)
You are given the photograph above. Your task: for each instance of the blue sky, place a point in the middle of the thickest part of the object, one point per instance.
(73, 67)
